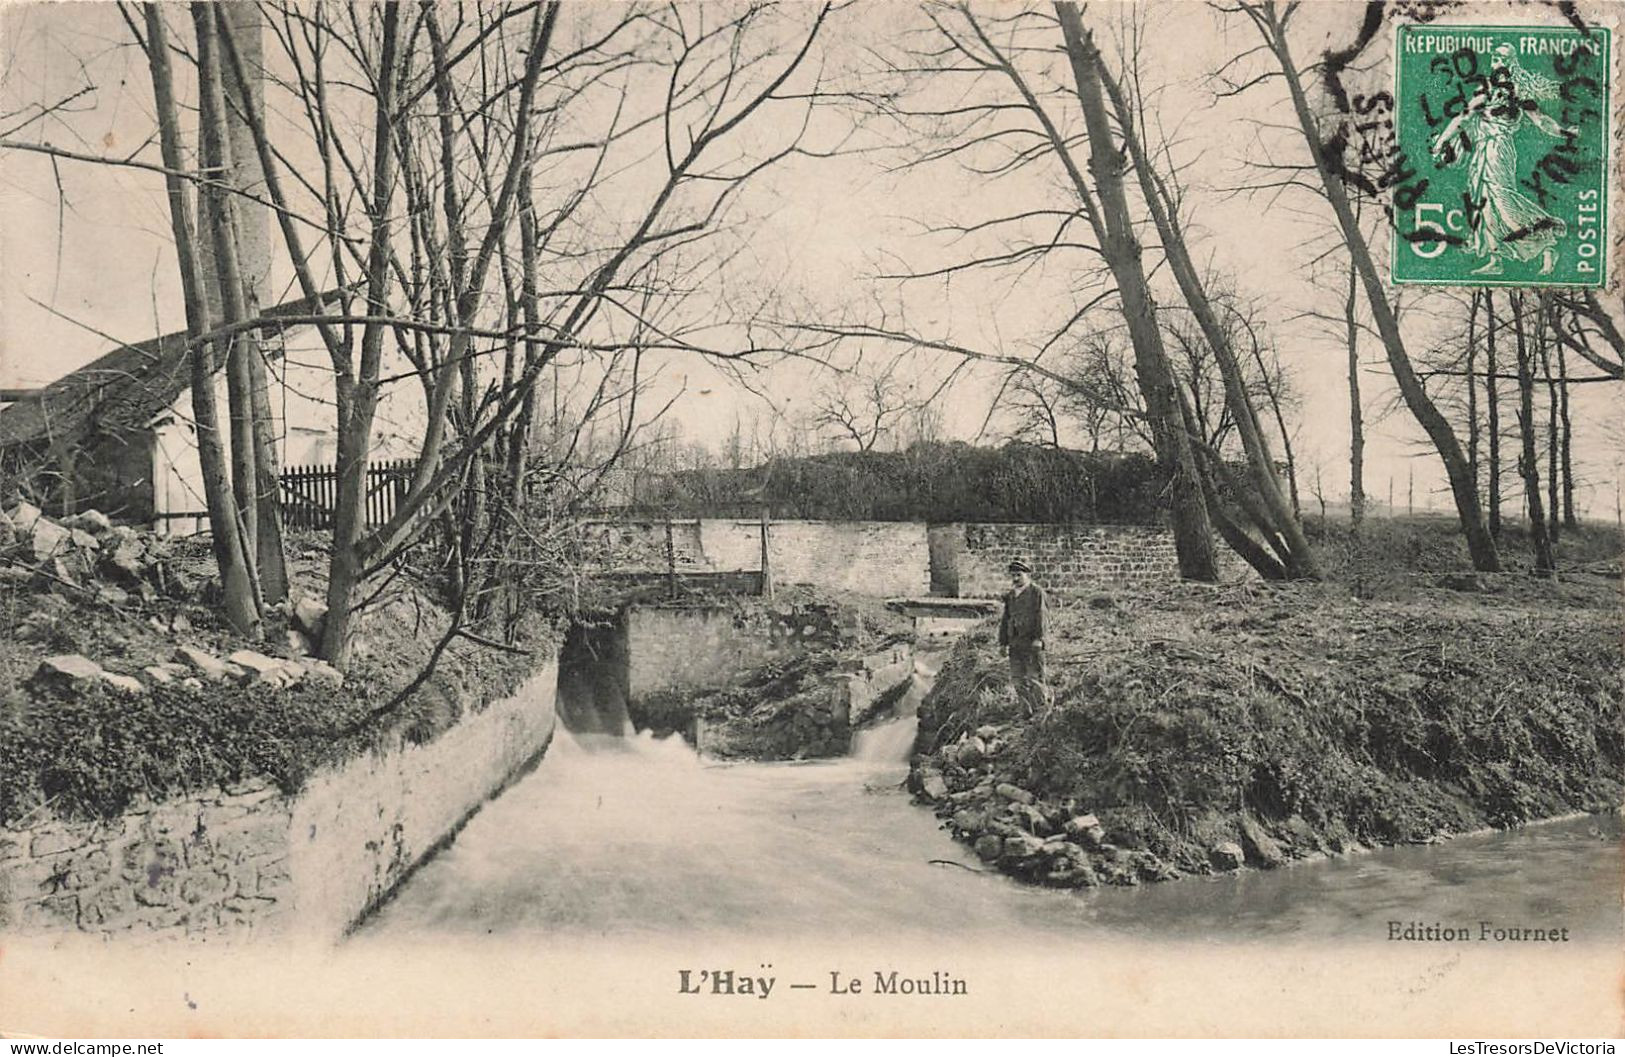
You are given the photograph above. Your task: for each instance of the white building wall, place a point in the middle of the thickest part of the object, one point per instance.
(304, 414)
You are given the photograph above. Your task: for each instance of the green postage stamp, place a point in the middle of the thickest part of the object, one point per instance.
(1507, 133)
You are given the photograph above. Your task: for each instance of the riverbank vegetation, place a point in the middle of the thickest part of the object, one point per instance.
(1198, 728)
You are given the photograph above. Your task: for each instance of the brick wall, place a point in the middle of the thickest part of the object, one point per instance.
(248, 861)
(1065, 559)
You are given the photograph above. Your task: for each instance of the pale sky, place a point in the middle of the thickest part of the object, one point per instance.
(819, 229)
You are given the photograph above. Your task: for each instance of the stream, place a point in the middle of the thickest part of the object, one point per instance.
(628, 836)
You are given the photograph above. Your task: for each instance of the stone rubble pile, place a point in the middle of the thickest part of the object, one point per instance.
(88, 552)
(112, 563)
(1057, 844)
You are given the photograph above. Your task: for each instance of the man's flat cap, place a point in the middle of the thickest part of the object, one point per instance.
(1019, 566)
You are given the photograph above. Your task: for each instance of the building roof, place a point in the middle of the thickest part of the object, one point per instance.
(123, 389)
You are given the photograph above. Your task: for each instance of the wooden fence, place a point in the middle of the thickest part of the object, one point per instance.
(310, 493)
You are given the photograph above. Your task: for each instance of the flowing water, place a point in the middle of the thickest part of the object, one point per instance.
(628, 836)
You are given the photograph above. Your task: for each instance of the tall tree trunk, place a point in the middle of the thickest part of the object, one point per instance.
(1282, 518)
(243, 86)
(238, 594)
(1472, 386)
(223, 294)
(1528, 462)
(1480, 545)
(1193, 534)
(357, 394)
(1554, 507)
(1492, 404)
(530, 308)
(1569, 520)
(243, 357)
(1356, 410)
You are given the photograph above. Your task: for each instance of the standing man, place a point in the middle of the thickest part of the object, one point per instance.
(1021, 635)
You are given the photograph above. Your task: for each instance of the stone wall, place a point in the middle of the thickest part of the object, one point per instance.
(249, 861)
(886, 559)
(1065, 558)
(876, 558)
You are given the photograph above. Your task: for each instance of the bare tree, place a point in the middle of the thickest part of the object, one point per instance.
(865, 405)
(1272, 26)
(1528, 464)
(240, 602)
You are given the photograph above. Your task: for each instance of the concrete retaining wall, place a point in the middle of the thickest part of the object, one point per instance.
(248, 861)
(880, 559)
(700, 649)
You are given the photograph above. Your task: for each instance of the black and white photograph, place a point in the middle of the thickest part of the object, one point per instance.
(732, 519)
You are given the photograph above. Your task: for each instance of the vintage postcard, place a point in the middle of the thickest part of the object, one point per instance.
(736, 519)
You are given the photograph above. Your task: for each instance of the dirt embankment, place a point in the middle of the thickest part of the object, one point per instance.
(1197, 729)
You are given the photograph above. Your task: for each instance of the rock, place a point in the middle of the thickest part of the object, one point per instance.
(71, 667)
(83, 540)
(63, 574)
(180, 623)
(23, 516)
(157, 675)
(254, 661)
(207, 663)
(125, 683)
(1022, 846)
(126, 558)
(1260, 847)
(968, 820)
(49, 538)
(1080, 824)
(320, 673)
(933, 786)
(192, 683)
(112, 596)
(1087, 830)
(308, 616)
(1226, 856)
(1102, 602)
(1016, 793)
(987, 732)
(1055, 848)
(92, 521)
(1030, 818)
(298, 643)
(988, 846)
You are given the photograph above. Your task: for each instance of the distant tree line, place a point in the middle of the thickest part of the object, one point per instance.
(928, 482)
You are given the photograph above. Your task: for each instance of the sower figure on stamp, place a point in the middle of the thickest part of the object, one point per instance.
(1021, 635)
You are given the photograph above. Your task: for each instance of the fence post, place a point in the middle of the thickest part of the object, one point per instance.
(767, 562)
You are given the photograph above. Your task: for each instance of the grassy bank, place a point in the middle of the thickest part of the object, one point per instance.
(1196, 727)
